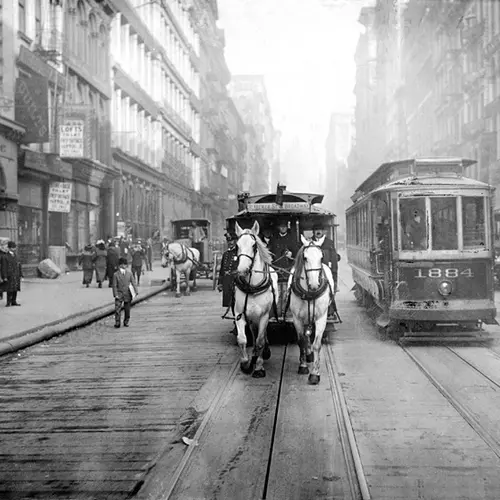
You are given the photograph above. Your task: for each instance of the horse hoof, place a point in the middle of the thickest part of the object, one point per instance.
(188, 294)
(303, 370)
(246, 366)
(178, 294)
(310, 357)
(313, 379)
(266, 353)
(259, 373)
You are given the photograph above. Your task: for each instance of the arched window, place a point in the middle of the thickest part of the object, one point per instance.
(81, 28)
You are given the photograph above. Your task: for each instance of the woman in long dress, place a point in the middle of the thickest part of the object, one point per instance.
(86, 260)
(100, 262)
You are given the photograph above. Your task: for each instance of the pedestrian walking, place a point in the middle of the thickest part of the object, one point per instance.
(124, 291)
(112, 262)
(3, 255)
(86, 260)
(12, 270)
(100, 262)
(228, 266)
(137, 257)
(149, 253)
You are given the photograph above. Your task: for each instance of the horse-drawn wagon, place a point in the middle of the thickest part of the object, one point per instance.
(191, 243)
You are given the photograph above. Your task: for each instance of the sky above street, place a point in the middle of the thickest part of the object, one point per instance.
(304, 49)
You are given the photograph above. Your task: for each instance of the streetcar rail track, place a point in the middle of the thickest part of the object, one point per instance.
(463, 411)
(354, 469)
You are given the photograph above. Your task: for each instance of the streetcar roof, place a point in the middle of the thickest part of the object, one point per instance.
(412, 168)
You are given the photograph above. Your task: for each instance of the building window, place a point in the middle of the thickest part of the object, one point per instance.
(22, 15)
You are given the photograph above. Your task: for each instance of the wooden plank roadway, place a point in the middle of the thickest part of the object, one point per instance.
(86, 415)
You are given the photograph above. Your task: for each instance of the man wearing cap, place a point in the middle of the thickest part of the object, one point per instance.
(330, 256)
(12, 272)
(284, 247)
(228, 266)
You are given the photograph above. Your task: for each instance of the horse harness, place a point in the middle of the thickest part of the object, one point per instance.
(248, 289)
(184, 255)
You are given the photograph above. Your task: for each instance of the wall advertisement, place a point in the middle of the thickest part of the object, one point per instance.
(60, 197)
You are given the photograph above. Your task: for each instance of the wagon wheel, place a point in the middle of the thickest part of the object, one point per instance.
(214, 272)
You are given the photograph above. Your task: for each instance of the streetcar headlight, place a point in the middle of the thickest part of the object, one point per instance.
(444, 288)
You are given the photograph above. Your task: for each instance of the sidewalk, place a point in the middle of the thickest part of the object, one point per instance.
(45, 302)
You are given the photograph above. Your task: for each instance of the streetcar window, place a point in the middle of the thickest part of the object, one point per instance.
(413, 224)
(473, 221)
(444, 223)
(395, 223)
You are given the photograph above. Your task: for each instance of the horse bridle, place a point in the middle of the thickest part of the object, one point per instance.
(254, 248)
(306, 270)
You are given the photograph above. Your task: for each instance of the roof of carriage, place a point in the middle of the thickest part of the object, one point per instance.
(200, 221)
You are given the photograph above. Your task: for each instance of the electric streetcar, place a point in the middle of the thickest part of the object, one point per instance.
(420, 243)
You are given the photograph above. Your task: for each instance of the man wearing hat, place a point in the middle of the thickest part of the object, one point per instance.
(12, 273)
(330, 257)
(284, 246)
(229, 264)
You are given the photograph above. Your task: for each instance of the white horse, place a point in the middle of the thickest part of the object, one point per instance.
(255, 294)
(310, 289)
(184, 259)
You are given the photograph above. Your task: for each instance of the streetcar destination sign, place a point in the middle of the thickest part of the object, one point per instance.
(287, 205)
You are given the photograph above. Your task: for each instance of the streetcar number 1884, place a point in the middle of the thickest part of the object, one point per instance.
(436, 272)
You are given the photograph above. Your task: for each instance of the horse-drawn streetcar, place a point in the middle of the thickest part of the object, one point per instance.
(421, 247)
(282, 278)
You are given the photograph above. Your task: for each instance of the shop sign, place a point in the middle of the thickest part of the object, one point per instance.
(71, 138)
(60, 197)
(32, 108)
(37, 65)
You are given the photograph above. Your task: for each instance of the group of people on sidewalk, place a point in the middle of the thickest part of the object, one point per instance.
(284, 246)
(11, 272)
(104, 259)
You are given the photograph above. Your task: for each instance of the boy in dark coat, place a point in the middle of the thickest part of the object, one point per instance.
(122, 282)
(137, 258)
(12, 272)
(112, 261)
(86, 260)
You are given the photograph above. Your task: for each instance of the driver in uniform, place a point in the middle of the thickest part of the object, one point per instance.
(229, 264)
(284, 247)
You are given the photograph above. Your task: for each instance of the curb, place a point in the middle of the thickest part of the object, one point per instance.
(45, 332)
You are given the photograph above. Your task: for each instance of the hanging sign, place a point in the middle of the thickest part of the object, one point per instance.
(71, 144)
(60, 197)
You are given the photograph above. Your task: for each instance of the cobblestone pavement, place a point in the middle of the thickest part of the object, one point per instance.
(45, 301)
